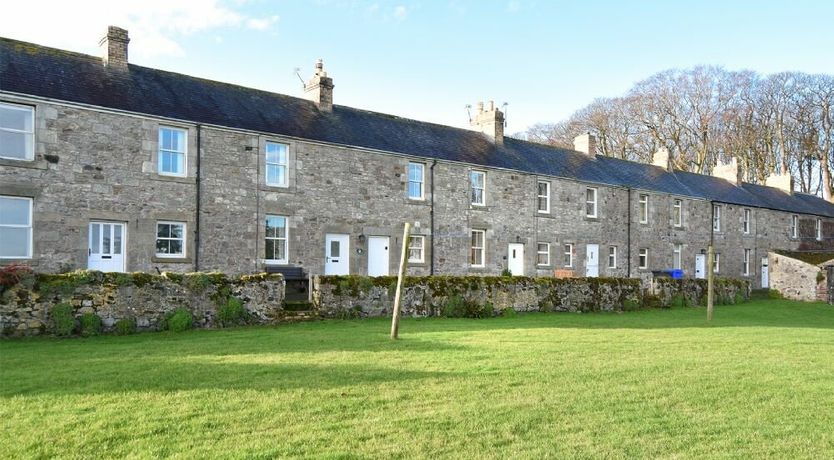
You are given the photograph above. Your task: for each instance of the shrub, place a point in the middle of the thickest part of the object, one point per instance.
(509, 312)
(179, 320)
(454, 307)
(232, 313)
(63, 322)
(739, 298)
(126, 326)
(90, 324)
(14, 273)
(486, 310)
(678, 301)
(458, 307)
(631, 305)
(506, 272)
(354, 312)
(652, 301)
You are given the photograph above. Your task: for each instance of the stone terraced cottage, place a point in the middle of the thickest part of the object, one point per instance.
(117, 167)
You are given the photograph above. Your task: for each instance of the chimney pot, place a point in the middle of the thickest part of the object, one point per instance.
(319, 88)
(114, 48)
(490, 122)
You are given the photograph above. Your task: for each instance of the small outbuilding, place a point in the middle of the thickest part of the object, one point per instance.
(800, 275)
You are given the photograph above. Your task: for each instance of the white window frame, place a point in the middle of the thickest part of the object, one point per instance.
(277, 164)
(184, 239)
(568, 252)
(677, 256)
(481, 248)
(612, 257)
(716, 218)
(717, 262)
(29, 227)
(30, 153)
(745, 223)
(546, 254)
(819, 229)
(184, 153)
(421, 248)
(594, 202)
(677, 211)
(472, 187)
(643, 199)
(286, 239)
(794, 226)
(746, 266)
(421, 182)
(545, 197)
(643, 258)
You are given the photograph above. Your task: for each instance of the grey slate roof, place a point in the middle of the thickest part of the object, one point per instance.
(57, 74)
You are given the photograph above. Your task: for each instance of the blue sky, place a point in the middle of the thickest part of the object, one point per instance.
(428, 59)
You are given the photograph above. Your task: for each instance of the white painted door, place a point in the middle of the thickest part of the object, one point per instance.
(765, 274)
(336, 254)
(106, 249)
(700, 266)
(592, 260)
(515, 259)
(378, 256)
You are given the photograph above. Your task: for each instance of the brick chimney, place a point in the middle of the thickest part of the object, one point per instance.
(586, 143)
(490, 121)
(319, 88)
(663, 159)
(114, 48)
(730, 172)
(783, 183)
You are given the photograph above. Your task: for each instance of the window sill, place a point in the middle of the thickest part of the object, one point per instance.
(171, 260)
(179, 179)
(28, 164)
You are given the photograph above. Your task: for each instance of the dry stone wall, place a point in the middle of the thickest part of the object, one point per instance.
(25, 307)
(693, 292)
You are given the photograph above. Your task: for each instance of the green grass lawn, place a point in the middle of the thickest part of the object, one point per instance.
(756, 382)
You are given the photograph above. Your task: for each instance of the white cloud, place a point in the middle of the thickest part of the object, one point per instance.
(400, 13)
(513, 6)
(155, 26)
(262, 23)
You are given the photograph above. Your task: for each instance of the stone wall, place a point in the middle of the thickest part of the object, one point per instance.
(795, 279)
(693, 292)
(347, 296)
(25, 307)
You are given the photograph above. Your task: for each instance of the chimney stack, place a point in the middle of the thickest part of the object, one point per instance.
(586, 143)
(490, 121)
(114, 48)
(319, 88)
(663, 159)
(783, 183)
(730, 172)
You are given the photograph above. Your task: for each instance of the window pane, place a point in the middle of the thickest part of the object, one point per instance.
(335, 248)
(477, 196)
(176, 231)
(117, 239)
(280, 249)
(163, 230)
(175, 246)
(477, 179)
(95, 238)
(14, 242)
(415, 172)
(162, 246)
(17, 117)
(270, 250)
(415, 190)
(14, 211)
(282, 175)
(271, 174)
(15, 145)
(178, 163)
(105, 239)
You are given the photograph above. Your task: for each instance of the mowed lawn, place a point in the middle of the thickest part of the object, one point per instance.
(756, 382)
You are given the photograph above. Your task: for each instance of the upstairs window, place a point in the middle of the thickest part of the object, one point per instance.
(543, 254)
(543, 197)
(476, 254)
(15, 227)
(17, 133)
(591, 202)
(477, 181)
(677, 213)
(416, 181)
(416, 249)
(794, 227)
(172, 151)
(818, 230)
(170, 239)
(745, 223)
(644, 209)
(276, 164)
(276, 240)
(716, 218)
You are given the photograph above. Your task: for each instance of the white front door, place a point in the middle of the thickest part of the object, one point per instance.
(700, 266)
(105, 251)
(515, 259)
(765, 274)
(378, 256)
(592, 260)
(336, 254)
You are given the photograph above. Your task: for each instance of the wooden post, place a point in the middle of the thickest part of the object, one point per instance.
(710, 275)
(395, 317)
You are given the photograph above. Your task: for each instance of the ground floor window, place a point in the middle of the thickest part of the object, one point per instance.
(643, 258)
(170, 239)
(612, 256)
(15, 227)
(676, 256)
(416, 249)
(543, 254)
(567, 260)
(276, 239)
(746, 268)
(717, 263)
(476, 255)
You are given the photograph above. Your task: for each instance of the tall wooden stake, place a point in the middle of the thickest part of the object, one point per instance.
(710, 274)
(395, 317)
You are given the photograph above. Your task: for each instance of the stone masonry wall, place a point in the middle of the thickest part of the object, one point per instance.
(693, 292)
(25, 307)
(795, 279)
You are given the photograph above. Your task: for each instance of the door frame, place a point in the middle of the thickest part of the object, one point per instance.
(124, 240)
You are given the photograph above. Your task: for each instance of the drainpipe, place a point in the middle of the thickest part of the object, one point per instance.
(198, 204)
(628, 234)
(431, 217)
